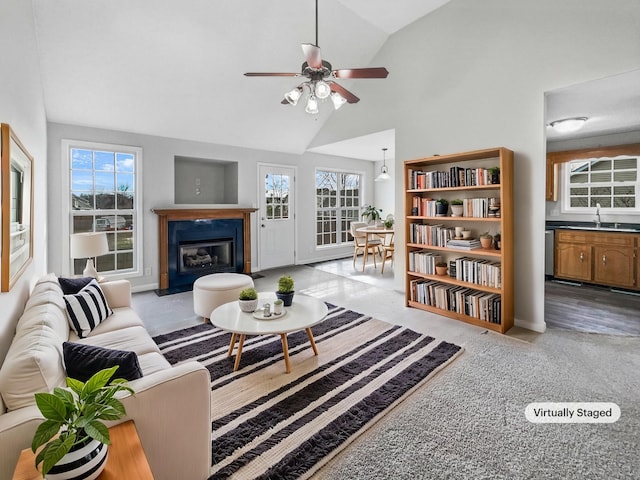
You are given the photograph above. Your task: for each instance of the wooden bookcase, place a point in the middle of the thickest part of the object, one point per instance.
(487, 299)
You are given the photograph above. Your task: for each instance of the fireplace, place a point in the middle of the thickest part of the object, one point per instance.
(206, 257)
(197, 242)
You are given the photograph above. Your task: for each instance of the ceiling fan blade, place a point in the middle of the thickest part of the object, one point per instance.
(346, 94)
(312, 55)
(374, 72)
(272, 74)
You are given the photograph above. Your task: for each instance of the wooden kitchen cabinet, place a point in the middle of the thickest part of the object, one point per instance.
(603, 258)
(573, 261)
(614, 266)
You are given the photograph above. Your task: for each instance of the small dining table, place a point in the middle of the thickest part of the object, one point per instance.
(375, 230)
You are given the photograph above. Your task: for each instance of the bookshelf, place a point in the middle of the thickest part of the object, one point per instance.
(478, 287)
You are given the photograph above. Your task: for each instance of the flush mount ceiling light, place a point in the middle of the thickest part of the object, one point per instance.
(384, 170)
(567, 125)
(320, 75)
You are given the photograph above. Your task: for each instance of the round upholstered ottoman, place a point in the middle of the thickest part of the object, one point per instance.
(213, 290)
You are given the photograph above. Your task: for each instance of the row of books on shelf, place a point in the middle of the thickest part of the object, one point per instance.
(471, 207)
(465, 269)
(466, 301)
(454, 177)
(480, 272)
(436, 235)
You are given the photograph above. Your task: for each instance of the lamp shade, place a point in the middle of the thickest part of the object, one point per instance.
(88, 245)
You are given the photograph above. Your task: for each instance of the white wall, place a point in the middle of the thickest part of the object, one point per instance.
(158, 187)
(473, 75)
(22, 107)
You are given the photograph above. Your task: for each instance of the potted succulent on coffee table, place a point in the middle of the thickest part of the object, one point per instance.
(73, 417)
(285, 290)
(248, 300)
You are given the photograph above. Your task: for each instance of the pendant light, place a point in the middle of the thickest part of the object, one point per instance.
(384, 170)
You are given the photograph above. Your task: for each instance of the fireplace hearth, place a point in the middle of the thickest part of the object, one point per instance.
(197, 242)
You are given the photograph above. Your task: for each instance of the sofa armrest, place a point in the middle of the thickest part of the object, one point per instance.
(16, 432)
(117, 292)
(172, 412)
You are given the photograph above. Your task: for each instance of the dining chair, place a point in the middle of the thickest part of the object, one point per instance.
(365, 244)
(388, 250)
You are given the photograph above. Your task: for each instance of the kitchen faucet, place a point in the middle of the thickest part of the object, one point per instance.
(598, 223)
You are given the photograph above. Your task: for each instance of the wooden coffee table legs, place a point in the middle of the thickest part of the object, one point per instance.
(285, 348)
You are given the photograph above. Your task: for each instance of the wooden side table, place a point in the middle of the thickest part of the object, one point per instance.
(126, 458)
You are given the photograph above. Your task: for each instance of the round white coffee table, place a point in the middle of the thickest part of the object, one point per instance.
(303, 313)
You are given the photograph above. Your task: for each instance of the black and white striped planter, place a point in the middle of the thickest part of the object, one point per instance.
(84, 462)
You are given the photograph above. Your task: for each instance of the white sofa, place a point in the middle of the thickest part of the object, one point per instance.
(171, 405)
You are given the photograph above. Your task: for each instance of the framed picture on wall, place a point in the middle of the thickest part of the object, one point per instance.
(17, 208)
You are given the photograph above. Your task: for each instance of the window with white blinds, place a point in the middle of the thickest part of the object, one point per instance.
(610, 182)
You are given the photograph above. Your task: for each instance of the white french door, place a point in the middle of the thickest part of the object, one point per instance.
(276, 219)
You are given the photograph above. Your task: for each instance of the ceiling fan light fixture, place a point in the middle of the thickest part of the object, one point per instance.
(293, 96)
(322, 89)
(567, 125)
(312, 105)
(338, 100)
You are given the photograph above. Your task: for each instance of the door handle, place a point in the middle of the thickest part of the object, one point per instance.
(604, 259)
(262, 225)
(581, 256)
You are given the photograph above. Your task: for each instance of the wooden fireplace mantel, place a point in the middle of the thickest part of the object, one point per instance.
(166, 215)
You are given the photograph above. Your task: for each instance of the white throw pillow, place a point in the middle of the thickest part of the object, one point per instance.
(87, 308)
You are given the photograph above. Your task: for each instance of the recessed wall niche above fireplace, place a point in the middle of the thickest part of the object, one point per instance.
(197, 242)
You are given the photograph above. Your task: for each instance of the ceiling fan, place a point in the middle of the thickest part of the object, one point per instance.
(320, 75)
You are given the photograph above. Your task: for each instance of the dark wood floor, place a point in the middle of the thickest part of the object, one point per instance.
(587, 308)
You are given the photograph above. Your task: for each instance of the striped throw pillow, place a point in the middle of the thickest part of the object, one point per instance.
(87, 308)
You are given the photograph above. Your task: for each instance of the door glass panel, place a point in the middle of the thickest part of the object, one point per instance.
(277, 196)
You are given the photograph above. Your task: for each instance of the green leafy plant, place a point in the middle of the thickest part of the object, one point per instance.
(371, 213)
(285, 284)
(277, 302)
(76, 415)
(457, 201)
(442, 201)
(441, 264)
(485, 235)
(494, 170)
(248, 294)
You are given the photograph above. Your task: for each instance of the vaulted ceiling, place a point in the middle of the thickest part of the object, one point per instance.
(175, 69)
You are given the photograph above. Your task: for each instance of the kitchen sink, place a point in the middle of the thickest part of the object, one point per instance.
(603, 229)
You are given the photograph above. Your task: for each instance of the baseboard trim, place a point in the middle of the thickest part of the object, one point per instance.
(539, 327)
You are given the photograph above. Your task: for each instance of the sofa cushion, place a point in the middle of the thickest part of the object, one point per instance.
(83, 361)
(135, 339)
(87, 308)
(152, 362)
(121, 318)
(73, 285)
(33, 364)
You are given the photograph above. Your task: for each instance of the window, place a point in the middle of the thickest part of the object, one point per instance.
(337, 205)
(611, 183)
(105, 196)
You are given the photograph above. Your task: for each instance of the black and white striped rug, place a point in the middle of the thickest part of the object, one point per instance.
(271, 425)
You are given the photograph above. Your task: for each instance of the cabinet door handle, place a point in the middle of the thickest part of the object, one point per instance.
(604, 259)
(581, 256)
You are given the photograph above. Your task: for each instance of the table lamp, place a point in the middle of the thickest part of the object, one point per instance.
(89, 245)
